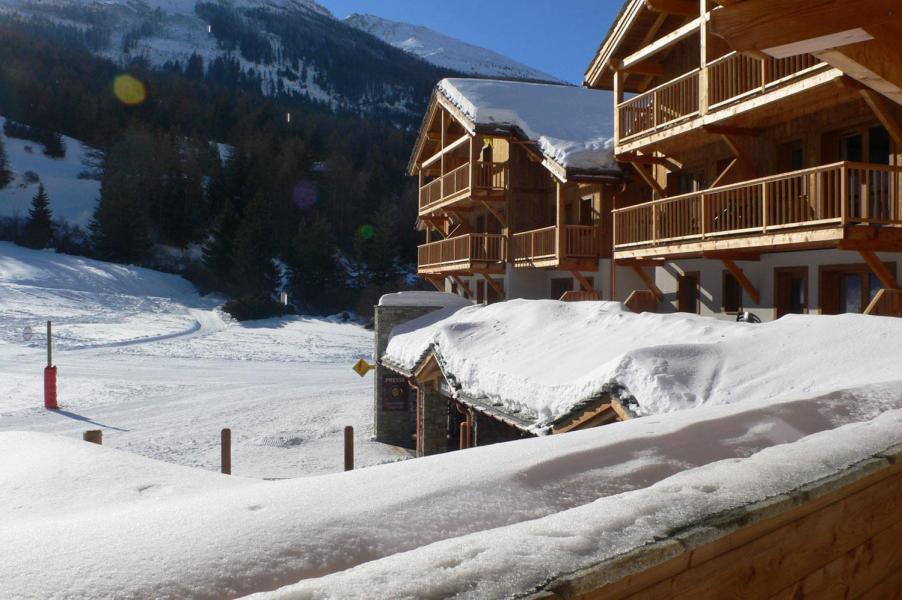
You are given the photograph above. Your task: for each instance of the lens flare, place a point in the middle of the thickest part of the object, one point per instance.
(367, 232)
(128, 90)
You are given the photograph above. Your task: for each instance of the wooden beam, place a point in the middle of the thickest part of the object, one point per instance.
(437, 281)
(741, 155)
(560, 223)
(740, 276)
(583, 282)
(732, 255)
(495, 213)
(651, 181)
(651, 159)
(684, 8)
(449, 148)
(885, 113)
(725, 172)
(649, 283)
(463, 285)
(728, 130)
(886, 277)
(495, 286)
(654, 69)
(663, 43)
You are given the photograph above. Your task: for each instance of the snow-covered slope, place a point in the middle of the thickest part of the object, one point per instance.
(161, 370)
(446, 51)
(72, 198)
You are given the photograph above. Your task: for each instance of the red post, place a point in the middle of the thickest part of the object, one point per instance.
(50, 402)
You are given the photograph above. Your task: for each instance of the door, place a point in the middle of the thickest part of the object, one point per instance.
(791, 291)
(849, 288)
(687, 293)
(559, 285)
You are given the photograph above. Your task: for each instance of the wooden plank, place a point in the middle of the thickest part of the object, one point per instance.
(684, 8)
(886, 277)
(885, 113)
(743, 280)
(462, 285)
(648, 179)
(663, 43)
(495, 286)
(437, 281)
(583, 282)
(649, 283)
(731, 130)
(449, 148)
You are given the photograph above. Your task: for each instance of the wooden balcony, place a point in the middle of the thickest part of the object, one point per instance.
(539, 248)
(812, 208)
(731, 78)
(484, 178)
(471, 253)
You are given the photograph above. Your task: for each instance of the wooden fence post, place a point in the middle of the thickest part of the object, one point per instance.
(349, 448)
(226, 459)
(95, 436)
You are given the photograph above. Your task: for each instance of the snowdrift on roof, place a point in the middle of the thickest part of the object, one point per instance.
(571, 125)
(542, 358)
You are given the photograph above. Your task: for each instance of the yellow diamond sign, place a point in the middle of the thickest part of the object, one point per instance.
(362, 367)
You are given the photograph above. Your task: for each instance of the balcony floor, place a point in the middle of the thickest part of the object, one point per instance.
(464, 268)
(877, 238)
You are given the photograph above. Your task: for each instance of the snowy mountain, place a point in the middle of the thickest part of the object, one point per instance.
(294, 48)
(445, 51)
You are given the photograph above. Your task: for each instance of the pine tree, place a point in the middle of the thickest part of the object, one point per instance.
(6, 175)
(379, 248)
(254, 276)
(219, 251)
(312, 259)
(120, 230)
(39, 227)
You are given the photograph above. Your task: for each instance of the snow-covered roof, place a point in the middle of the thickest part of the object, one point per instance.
(425, 299)
(543, 359)
(571, 126)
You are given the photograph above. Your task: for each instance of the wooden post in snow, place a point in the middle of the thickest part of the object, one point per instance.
(226, 458)
(349, 448)
(95, 436)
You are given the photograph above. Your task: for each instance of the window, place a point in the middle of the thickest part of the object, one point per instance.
(791, 291)
(480, 291)
(585, 211)
(848, 288)
(732, 293)
(688, 293)
(560, 285)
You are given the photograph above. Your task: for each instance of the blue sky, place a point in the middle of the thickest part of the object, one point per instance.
(557, 36)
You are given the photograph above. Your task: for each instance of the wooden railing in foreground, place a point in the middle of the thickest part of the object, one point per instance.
(464, 249)
(642, 301)
(486, 175)
(831, 195)
(580, 241)
(887, 303)
(581, 296)
(729, 77)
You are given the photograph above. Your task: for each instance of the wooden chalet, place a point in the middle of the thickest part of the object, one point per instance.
(506, 213)
(767, 139)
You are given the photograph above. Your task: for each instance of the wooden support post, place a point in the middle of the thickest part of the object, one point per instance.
(725, 172)
(618, 100)
(560, 222)
(95, 436)
(225, 459)
(886, 277)
(703, 33)
(649, 283)
(495, 286)
(583, 282)
(649, 179)
(502, 219)
(464, 435)
(437, 282)
(349, 448)
(740, 276)
(463, 285)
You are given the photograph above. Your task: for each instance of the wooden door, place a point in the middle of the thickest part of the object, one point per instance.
(791, 291)
(688, 293)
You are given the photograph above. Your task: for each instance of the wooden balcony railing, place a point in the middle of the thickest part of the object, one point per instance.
(487, 177)
(580, 241)
(831, 195)
(665, 104)
(462, 251)
(729, 78)
(735, 75)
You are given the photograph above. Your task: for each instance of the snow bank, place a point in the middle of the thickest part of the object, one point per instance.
(572, 125)
(544, 357)
(430, 299)
(488, 522)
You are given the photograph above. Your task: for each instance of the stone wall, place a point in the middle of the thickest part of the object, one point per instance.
(393, 414)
